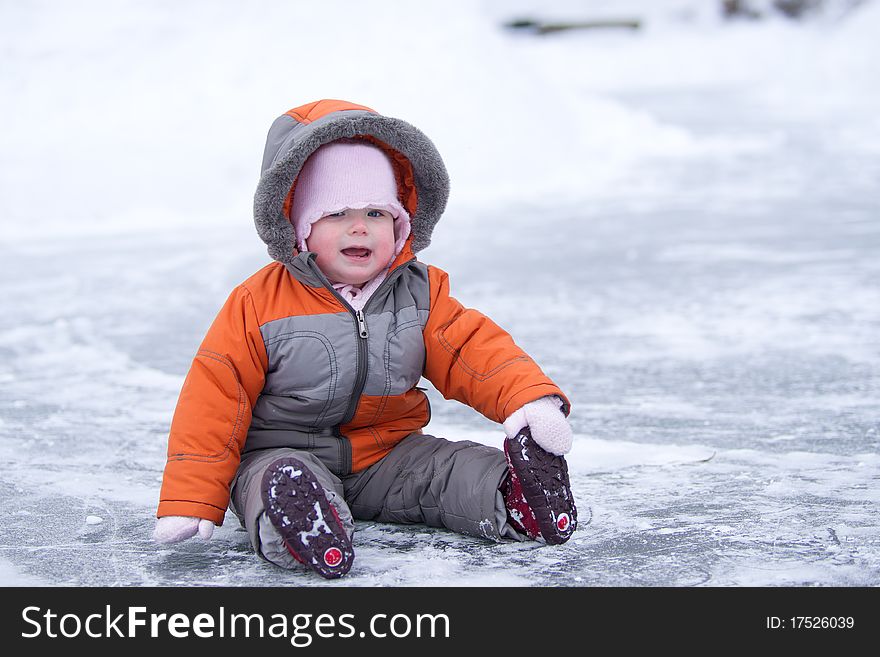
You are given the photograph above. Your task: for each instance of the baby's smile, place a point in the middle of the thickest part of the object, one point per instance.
(357, 253)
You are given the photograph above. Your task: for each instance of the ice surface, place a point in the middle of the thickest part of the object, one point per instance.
(684, 233)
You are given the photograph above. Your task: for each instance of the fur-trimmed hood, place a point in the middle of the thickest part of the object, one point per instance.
(423, 180)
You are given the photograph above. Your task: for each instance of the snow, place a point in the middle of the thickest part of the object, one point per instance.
(683, 230)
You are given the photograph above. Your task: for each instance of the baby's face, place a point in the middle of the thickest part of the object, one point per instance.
(352, 246)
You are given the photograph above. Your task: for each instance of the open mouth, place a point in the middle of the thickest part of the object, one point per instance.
(356, 253)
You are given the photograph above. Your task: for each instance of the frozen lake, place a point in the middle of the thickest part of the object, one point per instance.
(722, 359)
(715, 322)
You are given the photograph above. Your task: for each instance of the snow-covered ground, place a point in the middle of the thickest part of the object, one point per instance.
(680, 223)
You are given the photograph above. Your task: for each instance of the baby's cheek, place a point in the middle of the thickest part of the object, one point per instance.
(383, 258)
(386, 244)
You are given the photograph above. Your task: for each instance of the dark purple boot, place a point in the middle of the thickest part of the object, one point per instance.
(298, 508)
(537, 492)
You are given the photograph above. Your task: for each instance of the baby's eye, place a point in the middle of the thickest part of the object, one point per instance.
(341, 213)
(375, 213)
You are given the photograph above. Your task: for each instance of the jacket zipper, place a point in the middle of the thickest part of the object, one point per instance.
(362, 324)
(360, 379)
(362, 335)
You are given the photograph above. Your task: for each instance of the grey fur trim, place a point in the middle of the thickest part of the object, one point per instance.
(431, 178)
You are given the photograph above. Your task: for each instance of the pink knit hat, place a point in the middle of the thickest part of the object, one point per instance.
(342, 175)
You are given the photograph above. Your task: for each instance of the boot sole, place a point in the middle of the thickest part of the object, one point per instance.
(545, 485)
(296, 505)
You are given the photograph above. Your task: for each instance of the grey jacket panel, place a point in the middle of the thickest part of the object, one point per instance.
(290, 143)
(396, 363)
(398, 314)
(310, 375)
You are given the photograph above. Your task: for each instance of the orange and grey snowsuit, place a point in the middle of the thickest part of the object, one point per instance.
(289, 364)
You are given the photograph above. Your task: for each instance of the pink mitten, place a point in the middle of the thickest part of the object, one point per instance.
(173, 529)
(549, 426)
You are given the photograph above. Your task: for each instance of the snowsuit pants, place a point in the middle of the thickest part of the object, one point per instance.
(424, 479)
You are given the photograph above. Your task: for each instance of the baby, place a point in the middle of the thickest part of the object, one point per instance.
(301, 410)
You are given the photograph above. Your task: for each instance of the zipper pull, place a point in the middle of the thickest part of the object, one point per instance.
(362, 324)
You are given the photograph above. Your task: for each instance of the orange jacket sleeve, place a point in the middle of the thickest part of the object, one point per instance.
(213, 413)
(471, 359)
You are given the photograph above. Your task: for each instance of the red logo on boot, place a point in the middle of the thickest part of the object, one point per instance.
(562, 522)
(333, 557)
